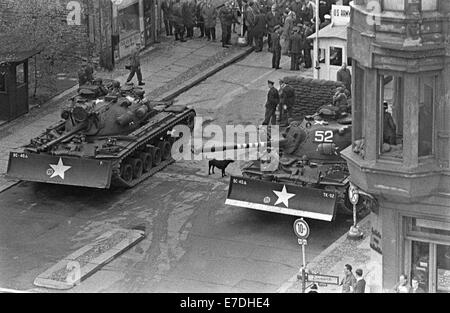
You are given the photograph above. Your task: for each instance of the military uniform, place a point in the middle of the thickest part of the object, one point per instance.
(275, 47)
(85, 75)
(273, 100)
(226, 19)
(295, 50)
(287, 101)
(135, 66)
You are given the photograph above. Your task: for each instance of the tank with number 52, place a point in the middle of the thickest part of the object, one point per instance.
(306, 177)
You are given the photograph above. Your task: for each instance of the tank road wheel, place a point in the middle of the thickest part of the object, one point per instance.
(126, 172)
(156, 156)
(147, 161)
(137, 166)
(166, 149)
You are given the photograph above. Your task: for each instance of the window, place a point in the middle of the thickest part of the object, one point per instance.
(429, 5)
(335, 56)
(2, 81)
(20, 74)
(443, 269)
(420, 263)
(426, 115)
(322, 56)
(391, 119)
(394, 5)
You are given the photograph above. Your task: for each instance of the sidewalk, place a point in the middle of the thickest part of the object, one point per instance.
(169, 68)
(333, 259)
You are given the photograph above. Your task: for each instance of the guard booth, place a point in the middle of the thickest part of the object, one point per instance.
(14, 84)
(332, 44)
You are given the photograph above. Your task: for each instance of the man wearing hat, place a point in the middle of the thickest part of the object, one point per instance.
(273, 19)
(287, 102)
(273, 99)
(389, 128)
(296, 49)
(314, 289)
(275, 47)
(135, 65)
(326, 22)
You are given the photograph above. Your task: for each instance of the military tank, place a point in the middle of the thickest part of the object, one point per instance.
(108, 136)
(305, 177)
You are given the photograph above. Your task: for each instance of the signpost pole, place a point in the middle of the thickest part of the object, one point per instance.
(303, 269)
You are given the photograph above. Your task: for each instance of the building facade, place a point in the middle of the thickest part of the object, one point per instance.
(401, 133)
(105, 30)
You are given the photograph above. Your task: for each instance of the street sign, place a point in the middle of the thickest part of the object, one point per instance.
(301, 228)
(353, 194)
(323, 279)
(302, 241)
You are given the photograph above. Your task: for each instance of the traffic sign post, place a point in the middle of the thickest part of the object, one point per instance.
(301, 229)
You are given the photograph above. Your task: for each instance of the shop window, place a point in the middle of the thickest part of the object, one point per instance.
(391, 119)
(128, 19)
(443, 269)
(429, 5)
(2, 82)
(426, 115)
(20, 74)
(394, 5)
(335, 56)
(420, 263)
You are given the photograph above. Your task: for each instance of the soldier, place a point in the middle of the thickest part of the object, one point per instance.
(188, 10)
(295, 49)
(389, 128)
(101, 88)
(85, 74)
(226, 19)
(273, 18)
(326, 22)
(287, 102)
(308, 45)
(276, 47)
(199, 17)
(273, 99)
(209, 14)
(135, 65)
(259, 31)
(249, 18)
(287, 31)
(343, 75)
(165, 7)
(177, 15)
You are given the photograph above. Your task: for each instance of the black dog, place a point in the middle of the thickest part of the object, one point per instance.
(220, 164)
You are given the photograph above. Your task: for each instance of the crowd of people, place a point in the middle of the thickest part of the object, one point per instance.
(286, 24)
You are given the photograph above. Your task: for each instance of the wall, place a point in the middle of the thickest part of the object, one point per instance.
(311, 94)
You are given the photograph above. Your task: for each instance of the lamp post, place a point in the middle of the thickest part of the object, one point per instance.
(354, 233)
(316, 42)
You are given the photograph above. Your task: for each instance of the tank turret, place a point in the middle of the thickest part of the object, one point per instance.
(108, 135)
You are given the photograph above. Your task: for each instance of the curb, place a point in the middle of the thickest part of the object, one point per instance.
(291, 281)
(170, 95)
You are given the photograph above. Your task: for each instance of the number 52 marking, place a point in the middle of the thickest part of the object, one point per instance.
(324, 136)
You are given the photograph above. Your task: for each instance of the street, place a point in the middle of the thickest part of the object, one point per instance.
(194, 242)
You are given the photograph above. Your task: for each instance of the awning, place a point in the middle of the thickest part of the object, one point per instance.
(282, 198)
(14, 50)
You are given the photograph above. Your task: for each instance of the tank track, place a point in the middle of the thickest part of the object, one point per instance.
(117, 179)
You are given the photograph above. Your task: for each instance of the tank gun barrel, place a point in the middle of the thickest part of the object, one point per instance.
(63, 137)
(252, 145)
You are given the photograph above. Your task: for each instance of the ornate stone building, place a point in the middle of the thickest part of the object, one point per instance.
(401, 133)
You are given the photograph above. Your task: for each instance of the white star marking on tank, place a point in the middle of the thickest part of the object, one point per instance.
(59, 169)
(283, 196)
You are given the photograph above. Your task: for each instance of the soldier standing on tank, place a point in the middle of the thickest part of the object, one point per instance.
(135, 65)
(273, 99)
